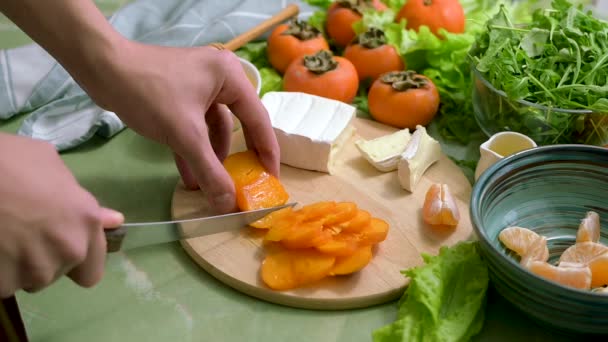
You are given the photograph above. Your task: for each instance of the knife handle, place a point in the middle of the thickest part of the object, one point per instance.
(114, 238)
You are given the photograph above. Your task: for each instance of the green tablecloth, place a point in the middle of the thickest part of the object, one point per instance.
(160, 294)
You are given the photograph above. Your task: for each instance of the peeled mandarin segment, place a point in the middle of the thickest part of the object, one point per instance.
(352, 263)
(265, 192)
(314, 211)
(357, 223)
(599, 270)
(589, 228)
(277, 271)
(342, 212)
(439, 208)
(518, 239)
(303, 235)
(309, 265)
(340, 245)
(374, 233)
(576, 277)
(267, 221)
(537, 251)
(583, 252)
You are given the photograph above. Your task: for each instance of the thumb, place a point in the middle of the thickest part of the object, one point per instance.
(111, 218)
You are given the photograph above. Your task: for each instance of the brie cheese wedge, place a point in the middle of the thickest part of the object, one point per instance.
(311, 130)
(421, 152)
(384, 152)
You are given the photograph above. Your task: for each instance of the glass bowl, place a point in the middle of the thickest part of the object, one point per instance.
(547, 189)
(495, 112)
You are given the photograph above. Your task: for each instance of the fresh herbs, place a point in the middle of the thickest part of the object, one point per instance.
(558, 60)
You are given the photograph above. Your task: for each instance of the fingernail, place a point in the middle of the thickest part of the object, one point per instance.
(225, 203)
(112, 218)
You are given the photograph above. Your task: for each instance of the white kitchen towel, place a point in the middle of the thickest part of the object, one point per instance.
(31, 81)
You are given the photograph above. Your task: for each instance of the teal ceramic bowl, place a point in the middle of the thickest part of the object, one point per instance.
(548, 189)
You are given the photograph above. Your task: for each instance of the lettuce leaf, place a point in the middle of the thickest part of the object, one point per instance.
(445, 299)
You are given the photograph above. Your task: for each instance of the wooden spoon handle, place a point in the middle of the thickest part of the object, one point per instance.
(288, 12)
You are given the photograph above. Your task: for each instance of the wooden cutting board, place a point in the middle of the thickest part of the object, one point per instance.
(234, 258)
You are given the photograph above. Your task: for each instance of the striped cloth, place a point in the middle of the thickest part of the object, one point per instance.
(60, 112)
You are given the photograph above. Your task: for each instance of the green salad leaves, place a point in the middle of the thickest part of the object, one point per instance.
(559, 59)
(445, 299)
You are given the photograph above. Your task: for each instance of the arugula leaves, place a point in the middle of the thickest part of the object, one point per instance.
(559, 59)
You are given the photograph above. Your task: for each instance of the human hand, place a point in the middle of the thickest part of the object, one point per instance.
(181, 97)
(50, 226)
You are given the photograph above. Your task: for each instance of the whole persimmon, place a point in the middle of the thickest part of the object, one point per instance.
(341, 16)
(322, 74)
(435, 14)
(403, 99)
(372, 56)
(292, 40)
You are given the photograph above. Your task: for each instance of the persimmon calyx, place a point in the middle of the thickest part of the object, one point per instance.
(404, 80)
(301, 30)
(356, 5)
(372, 38)
(321, 62)
(427, 2)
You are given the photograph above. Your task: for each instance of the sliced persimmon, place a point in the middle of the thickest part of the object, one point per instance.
(315, 211)
(244, 167)
(341, 212)
(267, 221)
(352, 263)
(374, 233)
(303, 235)
(310, 265)
(284, 270)
(277, 272)
(282, 228)
(343, 244)
(357, 223)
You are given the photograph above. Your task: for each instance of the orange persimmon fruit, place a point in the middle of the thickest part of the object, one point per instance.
(255, 187)
(372, 56)
(374, 233)
(292, 40)
(435, 14)
(357, 223)
(324, 75)
(403, 99)
(341, 16)
(267, 221)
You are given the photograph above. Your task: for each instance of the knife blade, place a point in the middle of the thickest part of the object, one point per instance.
(140, 234)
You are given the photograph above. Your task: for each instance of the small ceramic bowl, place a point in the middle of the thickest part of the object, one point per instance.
(547, 189)
(253, 74)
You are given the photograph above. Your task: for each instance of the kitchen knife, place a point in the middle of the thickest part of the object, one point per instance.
(134, 235)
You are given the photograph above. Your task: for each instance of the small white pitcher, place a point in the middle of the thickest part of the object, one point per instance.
(501, 145)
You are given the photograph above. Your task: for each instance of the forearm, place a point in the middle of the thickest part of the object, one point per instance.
(74, 32)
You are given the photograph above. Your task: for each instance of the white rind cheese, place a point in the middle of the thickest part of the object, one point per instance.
(421, 152)
(311, 130)
(384, 152)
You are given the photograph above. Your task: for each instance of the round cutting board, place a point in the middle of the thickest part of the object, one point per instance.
(235, 258)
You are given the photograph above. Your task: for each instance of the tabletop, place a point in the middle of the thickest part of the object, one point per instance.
(159, 294)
